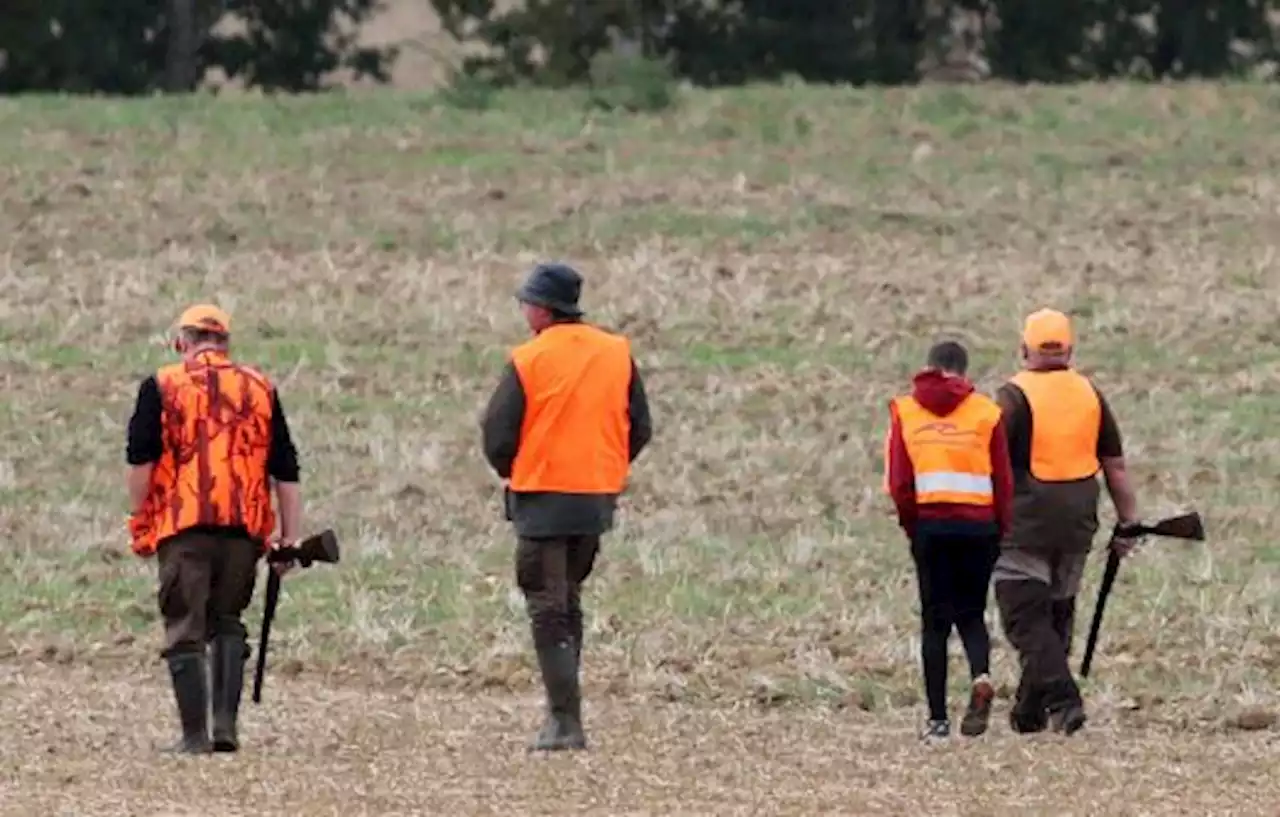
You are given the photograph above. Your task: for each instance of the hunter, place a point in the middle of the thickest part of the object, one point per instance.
(949, 476)
(207, 437)
(1061, 434)
(566, 421)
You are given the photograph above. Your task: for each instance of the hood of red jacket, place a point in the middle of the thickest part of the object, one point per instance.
(940, 393)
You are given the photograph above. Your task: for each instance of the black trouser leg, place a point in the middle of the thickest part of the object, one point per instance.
(973, 559)
(933, 656)
(977, 644)
(936, 618)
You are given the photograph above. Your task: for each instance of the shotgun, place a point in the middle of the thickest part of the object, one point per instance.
(322, 547)
(1187, 526)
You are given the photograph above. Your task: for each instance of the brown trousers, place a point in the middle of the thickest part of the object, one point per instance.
(550, 573)
(206, 582)
(1036, 597)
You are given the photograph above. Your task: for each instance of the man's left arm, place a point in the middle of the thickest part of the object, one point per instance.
(503, 420)
(638, 412)
(144, 443)
(282, 466)
(1110, 452)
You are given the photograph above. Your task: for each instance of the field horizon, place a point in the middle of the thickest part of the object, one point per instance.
(781, 258)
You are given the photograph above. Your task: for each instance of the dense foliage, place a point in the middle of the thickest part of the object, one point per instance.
(140, 46)
(870, 41)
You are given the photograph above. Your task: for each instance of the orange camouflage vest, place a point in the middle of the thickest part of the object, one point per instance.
(217, 436)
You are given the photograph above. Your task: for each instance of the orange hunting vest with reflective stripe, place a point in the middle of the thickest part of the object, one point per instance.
(575, 438)
(1066, 418)
(951, 456)
(217, 435)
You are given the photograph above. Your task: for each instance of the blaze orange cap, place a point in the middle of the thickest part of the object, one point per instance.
(1047, 330)
(207, 317)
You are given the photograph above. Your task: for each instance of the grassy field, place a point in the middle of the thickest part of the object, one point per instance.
(781, 258)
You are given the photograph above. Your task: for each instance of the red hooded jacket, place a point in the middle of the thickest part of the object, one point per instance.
(940, 394)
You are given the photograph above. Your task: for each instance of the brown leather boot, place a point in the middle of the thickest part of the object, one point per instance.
(189, 674)
(563, 726)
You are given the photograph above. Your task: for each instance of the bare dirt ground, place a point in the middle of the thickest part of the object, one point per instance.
(318, 749)
(782, 259)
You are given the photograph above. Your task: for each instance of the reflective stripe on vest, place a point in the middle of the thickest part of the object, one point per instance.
(213, 470)
(954, 482)
(575, 438)
(951, 455)
(1066, 419)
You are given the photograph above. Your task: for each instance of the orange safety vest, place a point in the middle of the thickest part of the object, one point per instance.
(575, 438)
(213, 471)
(951, 455)
(1066, 418)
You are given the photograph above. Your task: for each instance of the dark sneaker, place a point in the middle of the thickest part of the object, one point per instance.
(936, 730)
(978, 714)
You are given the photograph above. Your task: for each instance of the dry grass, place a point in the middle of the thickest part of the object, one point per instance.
(328, 750)
(781, 259)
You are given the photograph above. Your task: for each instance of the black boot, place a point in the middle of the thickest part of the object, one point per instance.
(189, 674)
(563, 726)
(229, 654)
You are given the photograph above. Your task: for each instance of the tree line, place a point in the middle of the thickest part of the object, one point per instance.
(133, 47)
(144, 46)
